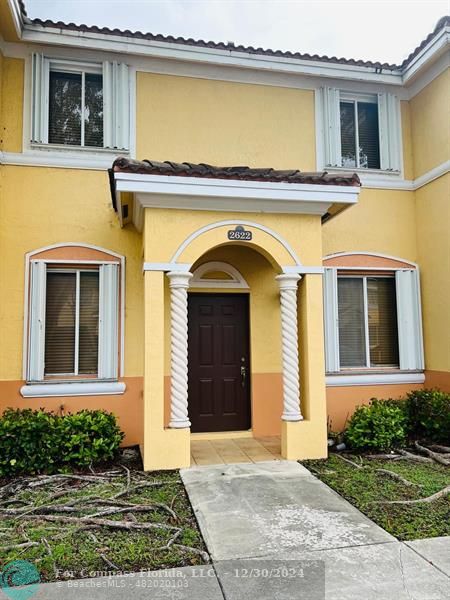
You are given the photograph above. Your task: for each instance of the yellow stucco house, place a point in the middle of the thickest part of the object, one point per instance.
(306, 273)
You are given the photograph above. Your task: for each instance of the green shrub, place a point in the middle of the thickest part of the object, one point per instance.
(381, 425)
(35, 441)
(428, 413)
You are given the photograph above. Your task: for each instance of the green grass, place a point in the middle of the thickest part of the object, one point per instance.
(75, 552)
(364, 487)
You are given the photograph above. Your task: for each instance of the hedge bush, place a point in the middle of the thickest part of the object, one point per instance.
(381, 425)
(428, 413)
(35, 441)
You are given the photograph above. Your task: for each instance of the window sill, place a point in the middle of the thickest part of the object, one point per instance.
(68, 157)
(49, 390)
(360, 170)
(366, 378)
(38, 146)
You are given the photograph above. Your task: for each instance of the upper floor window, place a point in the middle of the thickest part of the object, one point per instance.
(360, 146)
(80, 104)
(75, 116)
(359, 131)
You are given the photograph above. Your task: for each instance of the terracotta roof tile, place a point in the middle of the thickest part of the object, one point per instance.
(443, 22)
(239, 173)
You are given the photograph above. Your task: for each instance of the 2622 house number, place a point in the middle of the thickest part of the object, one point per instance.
(239, 233)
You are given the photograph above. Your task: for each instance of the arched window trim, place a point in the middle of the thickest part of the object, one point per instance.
(237, 281)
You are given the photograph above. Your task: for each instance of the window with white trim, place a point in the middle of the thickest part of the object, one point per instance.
(360, 131)
(73, 322)
(372, 321)
(78, 104)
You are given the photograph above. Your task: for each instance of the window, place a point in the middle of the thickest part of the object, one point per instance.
(359, 135)
(359, 131)
(372, 320)
(367, 314)
(75, 109)
(83, 105)
(71, 322)
(73, 328)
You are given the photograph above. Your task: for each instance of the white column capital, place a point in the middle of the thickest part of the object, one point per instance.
(288, 281)
(179, 279)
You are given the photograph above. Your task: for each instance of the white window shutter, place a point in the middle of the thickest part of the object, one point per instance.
(108, 333)
(36, 329)
(409, 318)
(40, 73)
(389, 127)
(116, 106)
(331, 324)
(331, 126)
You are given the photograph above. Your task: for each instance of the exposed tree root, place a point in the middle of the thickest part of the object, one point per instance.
(81, 521)
(428, 499)
(350, 462)
(440, 448)
(397, 477)
(23, 546)
(414, 457)
(433, 455)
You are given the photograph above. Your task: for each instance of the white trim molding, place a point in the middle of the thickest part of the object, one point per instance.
(233, 222)
(345, 380)
(198, 193)
(236, 280)
(365, 253)
(29, 258)
(85, 388)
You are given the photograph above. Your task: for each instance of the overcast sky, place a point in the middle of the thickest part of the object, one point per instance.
(386, 30)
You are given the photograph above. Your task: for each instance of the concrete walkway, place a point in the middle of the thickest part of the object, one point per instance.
(277, 514)
(275, 532)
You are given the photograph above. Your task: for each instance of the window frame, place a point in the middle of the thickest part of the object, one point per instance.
(119, 119)
(368, 366)
(355, 99)
(57, 376)
(75, 69)
(409, 319)
(91, 382)
(328, 132)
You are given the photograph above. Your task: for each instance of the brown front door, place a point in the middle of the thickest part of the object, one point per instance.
(218, 338)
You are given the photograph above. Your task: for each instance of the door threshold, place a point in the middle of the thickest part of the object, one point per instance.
(222, 435)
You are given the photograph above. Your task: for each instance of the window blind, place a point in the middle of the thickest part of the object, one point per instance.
(348, 134)
(65, 110)
(368, 135)
(88, 323)
(352, 341)
(382, 315)
(60, 323)
(93, 110)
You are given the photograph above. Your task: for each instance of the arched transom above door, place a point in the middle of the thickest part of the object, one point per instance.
(216, 274)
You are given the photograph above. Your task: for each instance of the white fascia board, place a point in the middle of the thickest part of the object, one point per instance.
(171, 191)
(48, 390)
(132, 46)
(373, 379)
(432, 51)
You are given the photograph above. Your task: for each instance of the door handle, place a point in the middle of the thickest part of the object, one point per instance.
(243, 375)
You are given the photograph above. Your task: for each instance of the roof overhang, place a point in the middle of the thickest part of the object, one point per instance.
(224, 195)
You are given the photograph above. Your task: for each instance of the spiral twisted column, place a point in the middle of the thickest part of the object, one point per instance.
(291, 378)
(179, 283)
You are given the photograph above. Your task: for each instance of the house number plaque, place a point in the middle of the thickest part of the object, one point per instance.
(239, 233)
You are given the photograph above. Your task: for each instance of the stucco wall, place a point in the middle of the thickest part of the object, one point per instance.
(224, 123)
(12, 82)
(430, 118)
